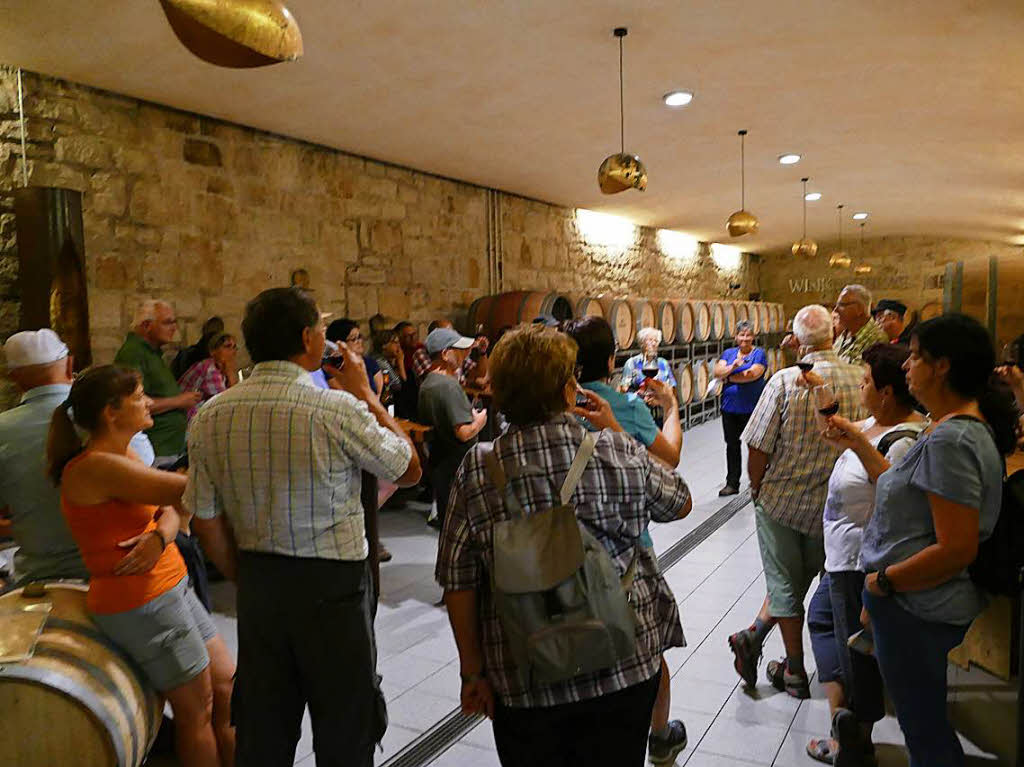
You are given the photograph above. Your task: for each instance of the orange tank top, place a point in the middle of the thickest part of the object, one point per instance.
(97, 529)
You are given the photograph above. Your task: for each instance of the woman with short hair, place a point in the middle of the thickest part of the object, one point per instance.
(649, 339)
(600, 717)
(112, 501)
(932, 511)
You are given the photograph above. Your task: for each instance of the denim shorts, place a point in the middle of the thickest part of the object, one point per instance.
(166, 636)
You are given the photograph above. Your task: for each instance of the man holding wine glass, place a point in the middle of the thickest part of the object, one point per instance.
(741, 372)
(789, 466)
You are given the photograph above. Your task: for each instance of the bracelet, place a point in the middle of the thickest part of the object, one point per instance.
(163, 543)
(474, 676)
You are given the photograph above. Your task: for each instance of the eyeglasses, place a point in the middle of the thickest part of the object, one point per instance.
(229, 345)
(353, 339)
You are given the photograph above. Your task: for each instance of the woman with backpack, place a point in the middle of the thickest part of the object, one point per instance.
(931, 512)
(851, 680)
(530, 524)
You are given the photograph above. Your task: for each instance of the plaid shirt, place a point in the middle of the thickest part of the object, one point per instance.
(204, 377)
(282, 459)
(785, 425)
(850, 347)
(418, 362)
(621, 490)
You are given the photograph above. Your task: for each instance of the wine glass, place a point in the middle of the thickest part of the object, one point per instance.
(1011, 354)
(825, 401)
(650, 369)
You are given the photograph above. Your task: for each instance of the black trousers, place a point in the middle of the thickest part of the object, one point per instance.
(305, 636)
(611, 729)
(733, 425)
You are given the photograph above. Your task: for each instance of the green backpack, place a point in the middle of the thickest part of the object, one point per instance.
(557, 592)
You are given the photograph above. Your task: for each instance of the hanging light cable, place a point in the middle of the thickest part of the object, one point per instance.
(621, 171)
(742, 221)
(840, 259)
(862, 268)
(805, 246)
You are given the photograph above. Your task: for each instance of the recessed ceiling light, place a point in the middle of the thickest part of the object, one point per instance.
(789, 159)
(859, 216)
(677, 98)
(812, 196)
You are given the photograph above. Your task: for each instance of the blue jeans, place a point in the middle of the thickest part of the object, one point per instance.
(911, 653)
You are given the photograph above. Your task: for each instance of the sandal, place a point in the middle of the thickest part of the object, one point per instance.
(821, 750)
(796, 685)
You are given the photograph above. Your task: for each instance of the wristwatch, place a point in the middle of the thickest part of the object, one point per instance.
(885, 584)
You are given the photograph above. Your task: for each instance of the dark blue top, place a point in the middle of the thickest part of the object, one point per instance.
(372, 368)
(742, 397)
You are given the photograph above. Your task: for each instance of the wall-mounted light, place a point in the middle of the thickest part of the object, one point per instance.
(726, 257)
(606, 230)
(678, 245)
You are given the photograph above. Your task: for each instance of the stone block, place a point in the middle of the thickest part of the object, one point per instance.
(106, 308)
(220, 185)
(386, 237)
(116, 272)
(163, 272)
(85, 150)
(393, 301)
(42, 173)
(109, 194)
(181, 122)
(198, 152)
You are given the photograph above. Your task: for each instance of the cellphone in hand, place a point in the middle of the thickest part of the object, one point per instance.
(581, 400)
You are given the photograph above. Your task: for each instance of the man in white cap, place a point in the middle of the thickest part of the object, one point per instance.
(39, 364)
(444, 406)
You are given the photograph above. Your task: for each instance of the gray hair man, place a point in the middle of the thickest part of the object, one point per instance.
(40, 366)
(789, 466)
(859, 329)
(154, 326)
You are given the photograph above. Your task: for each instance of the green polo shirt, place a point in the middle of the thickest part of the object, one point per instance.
(168, 431)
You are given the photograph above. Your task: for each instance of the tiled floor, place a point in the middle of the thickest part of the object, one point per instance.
(719, 587)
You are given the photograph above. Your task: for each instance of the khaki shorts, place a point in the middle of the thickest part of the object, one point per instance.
(791, 560)
(166, 636)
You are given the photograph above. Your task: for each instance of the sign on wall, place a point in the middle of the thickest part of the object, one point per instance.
(833, 284)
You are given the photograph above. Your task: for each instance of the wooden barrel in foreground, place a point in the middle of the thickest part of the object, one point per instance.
(78, 700)
(685, 321)
(619, 314)
(665, 320)
(742, 312)
(684, 383)
(765, 317)
(753, 316)
(509, 309)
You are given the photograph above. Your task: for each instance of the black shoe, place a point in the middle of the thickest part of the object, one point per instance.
(728, 490)
(434, 522)
(664, 750)
(748, 654)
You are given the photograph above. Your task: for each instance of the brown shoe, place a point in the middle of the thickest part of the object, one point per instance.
(383, 555)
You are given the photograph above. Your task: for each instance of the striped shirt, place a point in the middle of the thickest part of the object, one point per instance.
(850, 346)
(620, 491)
(282, 459)
(786, 426)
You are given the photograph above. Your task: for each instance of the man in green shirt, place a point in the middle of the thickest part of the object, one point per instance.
(154, 326)
(860, 331)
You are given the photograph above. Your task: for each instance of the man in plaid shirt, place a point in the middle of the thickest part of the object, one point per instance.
(789, 465)
(601, 717)
(860, 331)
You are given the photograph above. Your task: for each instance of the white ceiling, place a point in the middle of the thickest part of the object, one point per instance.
(912, 110)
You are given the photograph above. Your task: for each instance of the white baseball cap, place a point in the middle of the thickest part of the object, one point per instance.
(34, 347)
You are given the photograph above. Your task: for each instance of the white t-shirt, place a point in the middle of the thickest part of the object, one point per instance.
(851, 500)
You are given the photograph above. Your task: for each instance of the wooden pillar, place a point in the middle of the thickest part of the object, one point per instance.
(51, 266)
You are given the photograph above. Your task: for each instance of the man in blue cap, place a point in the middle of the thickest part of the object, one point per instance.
(444, 406)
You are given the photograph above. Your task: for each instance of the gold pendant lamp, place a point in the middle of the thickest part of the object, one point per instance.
(805, 246)
(621, 171)
(840, 259)
(742, 221)
(239, 34)
(862, 268)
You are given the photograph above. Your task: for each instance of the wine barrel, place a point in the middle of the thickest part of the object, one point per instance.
(702, 321)
(729, 314)
(588, 306)
(685, 321)
(479, 315)
(930, 311)
(519, 306)
(742, 312)
(766, 320)
(619, 314)
(78, 700)
(684, 383)
(701, 379)
(717, 312)
(643, 313)
(753, 316)
(665, 320)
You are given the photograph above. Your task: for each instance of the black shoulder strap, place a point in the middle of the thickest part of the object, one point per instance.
(892, 437)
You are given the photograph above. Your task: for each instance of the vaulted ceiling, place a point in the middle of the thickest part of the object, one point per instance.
(911, 110)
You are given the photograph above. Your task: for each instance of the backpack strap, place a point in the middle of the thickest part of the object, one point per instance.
(500, 482)
(579, 463)
(894, 436)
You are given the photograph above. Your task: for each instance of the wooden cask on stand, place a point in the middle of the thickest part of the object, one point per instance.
(619, 314)
(665, 320)
(514, 308)
(644, 314)
(702, 321)
(78, 700)
(685, 321)
(587, 306)
(684, 383)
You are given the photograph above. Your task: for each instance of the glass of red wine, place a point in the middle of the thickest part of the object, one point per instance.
(825, 401)
(650, 369)
(1011, 355)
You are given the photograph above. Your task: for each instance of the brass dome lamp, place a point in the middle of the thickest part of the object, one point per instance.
(621, 171)
(805, 246)
(742, 221)
(239, 34)
(840, 259)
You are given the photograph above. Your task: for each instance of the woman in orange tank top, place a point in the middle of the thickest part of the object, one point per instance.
(124, 516)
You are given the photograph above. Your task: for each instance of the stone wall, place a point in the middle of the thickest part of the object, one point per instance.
(206, 214)
(910, 269)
